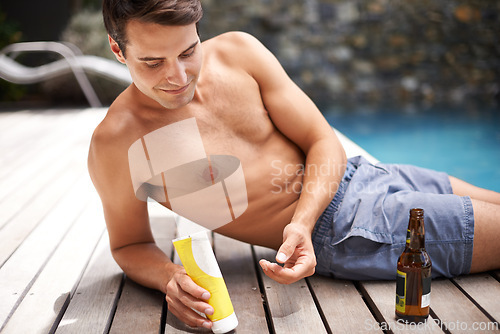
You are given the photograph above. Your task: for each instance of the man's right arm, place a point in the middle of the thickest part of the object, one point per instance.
(131, 240)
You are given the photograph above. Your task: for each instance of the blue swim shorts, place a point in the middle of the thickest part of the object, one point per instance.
(362, 232)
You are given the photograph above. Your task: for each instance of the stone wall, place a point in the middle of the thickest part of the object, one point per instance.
(375, 51)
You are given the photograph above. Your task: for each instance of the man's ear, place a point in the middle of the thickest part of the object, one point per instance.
(116, 50)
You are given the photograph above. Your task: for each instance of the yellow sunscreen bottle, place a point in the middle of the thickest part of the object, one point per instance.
(197, 257)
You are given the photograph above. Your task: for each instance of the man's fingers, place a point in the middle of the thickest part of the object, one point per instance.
(292, 238)
(287, 248)
(188, 316)
(189, 301)
(281, 257)
(188, 285)
(184, 297)
(269, 266)
(283, 275)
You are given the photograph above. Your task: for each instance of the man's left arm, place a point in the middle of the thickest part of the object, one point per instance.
(298, 118)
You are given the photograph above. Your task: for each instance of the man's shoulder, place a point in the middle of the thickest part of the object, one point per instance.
(232, 46)
(231, 39)
(112, 132)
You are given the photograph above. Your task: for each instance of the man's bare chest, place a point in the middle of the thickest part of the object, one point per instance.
(172, 165)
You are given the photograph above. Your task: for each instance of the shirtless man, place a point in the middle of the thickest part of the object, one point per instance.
(245, 106)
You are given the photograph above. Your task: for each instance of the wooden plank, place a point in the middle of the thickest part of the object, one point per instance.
(42, 154)
(342, 305)
(69, 129)
(445, 297)
(33, 198)
(13, 234)
(30, 126)
(23, 266)
(22, 197)
(484, 289)
(21, 141)
(91, 308)
(47, 299)
(139, 309)
(381, 296)
(24, 176)
(292, 306)
(70, 160)
(26, 123)
(9, 119)
(238, 269)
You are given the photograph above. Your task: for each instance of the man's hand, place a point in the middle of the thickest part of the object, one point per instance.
(183, 295)
(296, 253)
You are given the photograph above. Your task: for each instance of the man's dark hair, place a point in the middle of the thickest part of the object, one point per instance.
(117, 13)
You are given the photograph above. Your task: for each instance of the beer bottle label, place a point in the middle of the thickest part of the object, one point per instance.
(426, 292)
(408, 234)
(401, 292)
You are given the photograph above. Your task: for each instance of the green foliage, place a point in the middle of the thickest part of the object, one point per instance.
(9, 33)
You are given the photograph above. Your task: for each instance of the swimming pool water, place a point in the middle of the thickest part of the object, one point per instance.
(463, 143)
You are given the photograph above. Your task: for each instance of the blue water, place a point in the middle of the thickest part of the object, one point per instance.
(463, 143)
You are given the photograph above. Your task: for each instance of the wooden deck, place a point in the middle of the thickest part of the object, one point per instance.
(57, 273)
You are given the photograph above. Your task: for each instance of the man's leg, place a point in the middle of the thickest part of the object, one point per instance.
(486, 251)
(463, 188)
(486, 206)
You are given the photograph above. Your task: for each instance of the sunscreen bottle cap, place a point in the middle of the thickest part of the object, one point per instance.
(225, 325)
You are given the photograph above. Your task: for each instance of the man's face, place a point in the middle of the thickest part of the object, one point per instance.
(164, 61)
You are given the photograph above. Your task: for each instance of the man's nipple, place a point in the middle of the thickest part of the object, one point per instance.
(210, 174)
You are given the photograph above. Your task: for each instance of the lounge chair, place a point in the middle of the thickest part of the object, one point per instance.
(72, 61)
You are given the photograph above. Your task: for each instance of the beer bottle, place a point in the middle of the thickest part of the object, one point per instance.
(413, 282)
